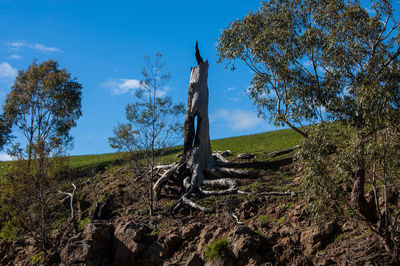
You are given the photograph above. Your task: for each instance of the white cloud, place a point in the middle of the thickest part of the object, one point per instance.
(370, 11)
(121, 86)
(246, 92)
(237, 119)
(15, 46)
(15, 56)
(230, 89)
(43, 48)
(5, 157)
(7, 71)
(162, 92)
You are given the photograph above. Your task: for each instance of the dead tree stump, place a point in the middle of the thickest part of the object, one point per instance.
(198, 166)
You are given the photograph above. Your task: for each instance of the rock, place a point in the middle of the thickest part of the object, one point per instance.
(348, 226)
(191, 231)
(243, 242)
(127, 242)
(83, 205)
(6, 255)
(94, 249)
(172, 243)
(245, 156)
(315, 237)
(222, 262)
(206, 234)
(99, 235)
(75, 253)
(194, 260)
(326, 262)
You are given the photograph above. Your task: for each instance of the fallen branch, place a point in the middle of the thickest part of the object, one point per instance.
(271, 193)
(277, 153)
(71, 195)
(237, 219)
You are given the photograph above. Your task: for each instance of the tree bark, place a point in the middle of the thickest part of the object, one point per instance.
(197, 108)
(367, 209)
(197, 161)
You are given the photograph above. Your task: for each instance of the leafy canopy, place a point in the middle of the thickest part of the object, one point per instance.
(314, 60)
(43, 106)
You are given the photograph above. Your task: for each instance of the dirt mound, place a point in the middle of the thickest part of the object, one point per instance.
(244, 230)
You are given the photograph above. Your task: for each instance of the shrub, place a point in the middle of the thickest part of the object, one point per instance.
(217, 249)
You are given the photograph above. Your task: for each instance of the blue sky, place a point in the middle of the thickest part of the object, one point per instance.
(103, 44)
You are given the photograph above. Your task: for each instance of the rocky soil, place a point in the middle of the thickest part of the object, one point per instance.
(253, 230)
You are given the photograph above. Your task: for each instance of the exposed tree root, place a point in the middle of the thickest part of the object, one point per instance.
(277, 153)
(195, 183)
(220, 157)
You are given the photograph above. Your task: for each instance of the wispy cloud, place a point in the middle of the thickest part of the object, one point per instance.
(234, 99)
(124, 86)
(237, 119)
(162, 92)
(89, 137)
(121, 86)
(7, 71)
(15, 56)
(230, 89)
(15, 46)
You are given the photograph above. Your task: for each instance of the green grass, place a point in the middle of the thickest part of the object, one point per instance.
(217, 249)
(259, 144)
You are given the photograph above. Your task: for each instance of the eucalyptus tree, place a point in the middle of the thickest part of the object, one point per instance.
(330, 60)
(43, 105)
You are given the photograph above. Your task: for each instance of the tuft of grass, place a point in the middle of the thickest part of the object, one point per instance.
(259, 234)
(265, 220)
(339, 238)
(83, 223)
(217, 249)
(287, 206)
(37, 258)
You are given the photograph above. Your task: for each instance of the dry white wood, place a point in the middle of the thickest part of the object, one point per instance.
(164, 178)
(245, 156)
(220, 157)
(71, 195)
(237, 219)
(194, 205)
(271, 193)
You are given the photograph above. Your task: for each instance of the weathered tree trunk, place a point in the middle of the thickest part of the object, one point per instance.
(367, 209)
(197, 107)
(197, 160)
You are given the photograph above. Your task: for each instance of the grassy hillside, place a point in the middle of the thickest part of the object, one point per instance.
(259, 144)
